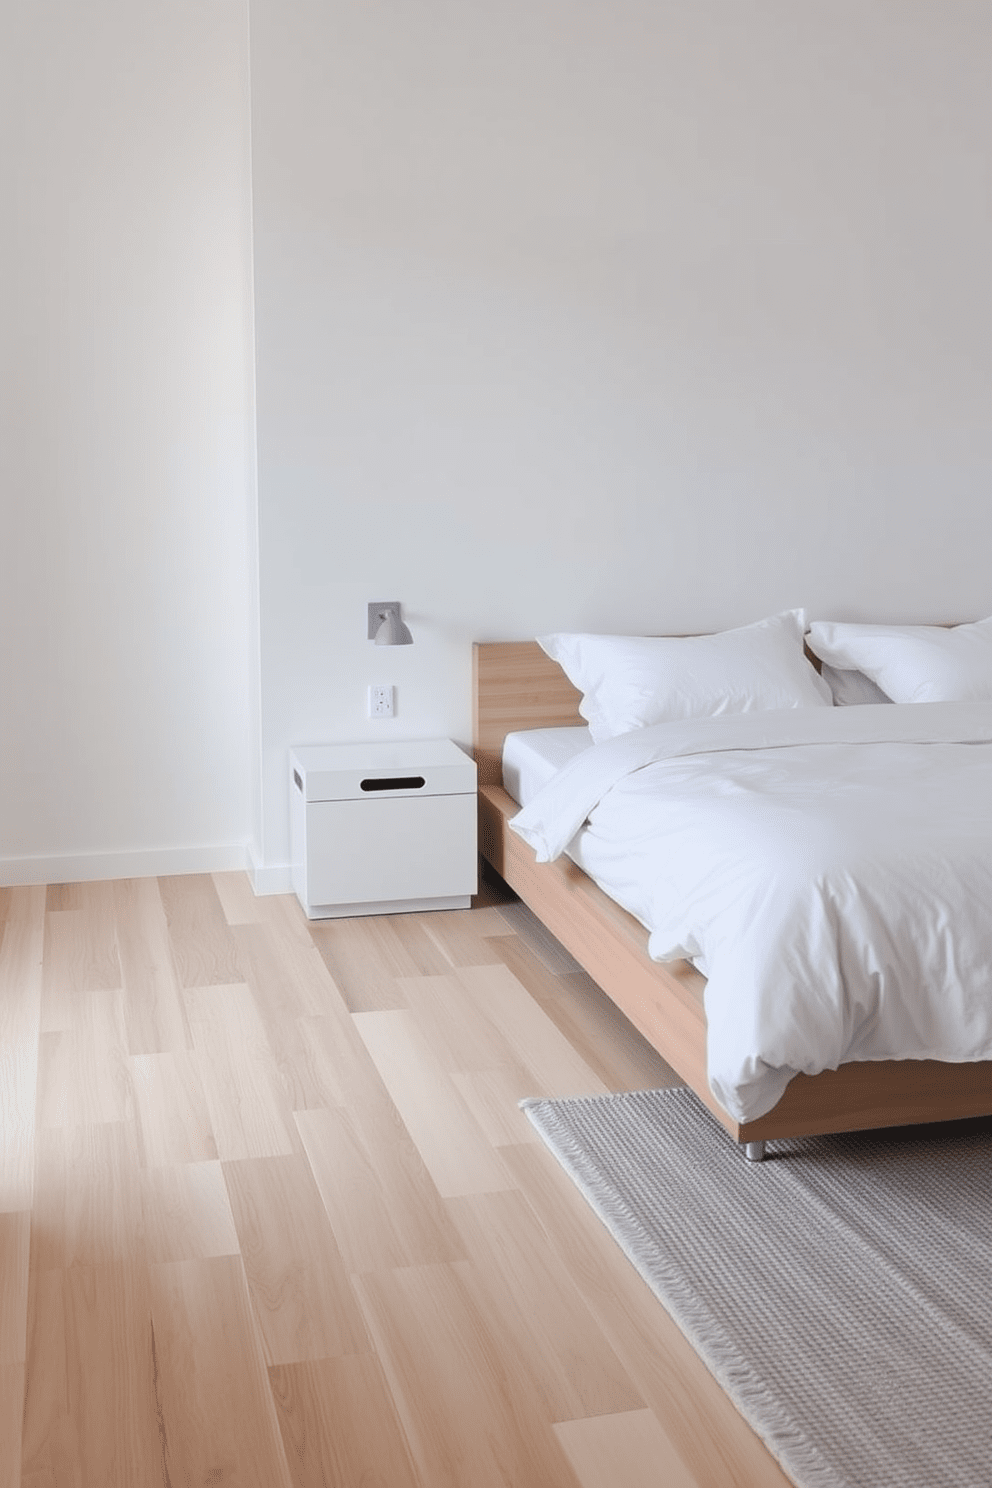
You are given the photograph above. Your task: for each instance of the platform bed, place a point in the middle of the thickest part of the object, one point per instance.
(515, 686)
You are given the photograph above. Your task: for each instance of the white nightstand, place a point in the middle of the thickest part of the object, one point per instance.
(383, 828)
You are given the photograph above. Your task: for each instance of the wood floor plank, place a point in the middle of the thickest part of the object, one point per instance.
(284, 912)
(95, 896)
(12, 1384)
(46, 1446)
(366, 955)
(289, 979)
(217, 1418)
(173, 1120)
(43, 1479)
(15, 1250)
(21, 976)
(25, 905)
(460, 937)
(493, 1097)
(466, 1418)
(241, 905)
(629, 1448)
(111, 1377)
(537, 1312)
(525, 926)
(314, 1063)
(154, 1014)
(249, 1115)
(63, 896)
(290, 983)
(338, 1425)
(204, 951)
(80, 952)
(381, 1201)
(590, 1021)
(413, 946)
(83, 1072)
(66, 965)
(187, 1213)
(606, 1039)
(453, 1148)
(460, 1043)
(709, 1435)
(87, 1204)
(541, 1046)
(299, 1287)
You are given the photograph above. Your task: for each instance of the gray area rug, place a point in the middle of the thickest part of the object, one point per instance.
(840, 1291)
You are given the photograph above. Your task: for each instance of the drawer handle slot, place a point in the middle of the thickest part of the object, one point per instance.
(395, 782)
(297, 781)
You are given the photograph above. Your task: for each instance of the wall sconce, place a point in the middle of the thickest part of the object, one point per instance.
(385, 626)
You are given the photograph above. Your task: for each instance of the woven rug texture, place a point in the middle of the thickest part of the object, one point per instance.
(840, 1291)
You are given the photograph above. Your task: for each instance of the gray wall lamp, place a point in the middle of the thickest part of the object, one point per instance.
(386, 627)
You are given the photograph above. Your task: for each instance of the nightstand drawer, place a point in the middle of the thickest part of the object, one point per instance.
(405, 847)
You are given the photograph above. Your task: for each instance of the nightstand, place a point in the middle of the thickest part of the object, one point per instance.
(383, 828)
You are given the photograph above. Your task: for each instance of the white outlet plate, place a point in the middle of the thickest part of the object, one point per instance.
(380, 702)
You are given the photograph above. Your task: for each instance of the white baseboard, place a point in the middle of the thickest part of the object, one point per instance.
(222, 857)
(272, 878)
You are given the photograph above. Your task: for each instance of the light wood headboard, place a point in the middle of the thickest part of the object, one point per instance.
(515, 686)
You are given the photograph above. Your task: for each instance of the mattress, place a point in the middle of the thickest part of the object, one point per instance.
(531, 760)
(532, 756)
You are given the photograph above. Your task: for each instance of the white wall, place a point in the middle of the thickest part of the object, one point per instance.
(635, 314)
(126, 437)
(645, 315)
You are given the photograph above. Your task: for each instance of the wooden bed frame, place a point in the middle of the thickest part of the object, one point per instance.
(516, 686)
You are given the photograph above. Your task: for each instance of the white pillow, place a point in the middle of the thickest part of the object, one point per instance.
(628, 682)
(849, 687)
(913, 663)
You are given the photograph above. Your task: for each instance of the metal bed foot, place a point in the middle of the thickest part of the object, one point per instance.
(754, 1151)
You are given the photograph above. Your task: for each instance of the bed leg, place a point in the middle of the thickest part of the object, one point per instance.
(754, 1151)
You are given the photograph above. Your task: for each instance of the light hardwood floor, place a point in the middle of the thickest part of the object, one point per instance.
(269, 1214)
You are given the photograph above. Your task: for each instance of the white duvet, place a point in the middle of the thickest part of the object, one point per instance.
(830, 870)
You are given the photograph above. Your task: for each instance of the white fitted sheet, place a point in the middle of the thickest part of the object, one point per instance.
(532, 756)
